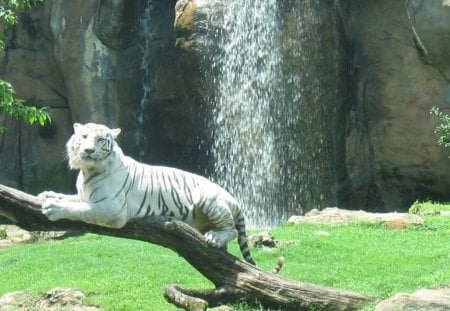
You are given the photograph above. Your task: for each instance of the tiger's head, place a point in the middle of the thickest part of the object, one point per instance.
(91, 146)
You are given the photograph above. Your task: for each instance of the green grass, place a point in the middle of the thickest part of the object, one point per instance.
(118, 274)
(369, 258)
(122, 274)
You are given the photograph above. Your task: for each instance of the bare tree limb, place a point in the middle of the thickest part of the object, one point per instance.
(232, 277)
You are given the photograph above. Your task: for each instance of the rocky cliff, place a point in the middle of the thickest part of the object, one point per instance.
(88, 61)
(400, 69)
(140, 65)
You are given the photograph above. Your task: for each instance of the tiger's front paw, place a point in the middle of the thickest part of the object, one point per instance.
(49, 194)
(52, 209)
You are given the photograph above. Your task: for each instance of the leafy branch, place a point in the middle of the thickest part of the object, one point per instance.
(10, 105)
(442, 129)
(8, 9)
(8, 13)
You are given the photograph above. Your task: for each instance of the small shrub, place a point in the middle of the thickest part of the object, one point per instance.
(442, 129)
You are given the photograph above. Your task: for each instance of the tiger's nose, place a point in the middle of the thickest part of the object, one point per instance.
(89, 151)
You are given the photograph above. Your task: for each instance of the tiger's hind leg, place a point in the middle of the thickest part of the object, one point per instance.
(219, 214)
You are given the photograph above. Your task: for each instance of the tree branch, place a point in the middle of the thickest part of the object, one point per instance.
(232, 277)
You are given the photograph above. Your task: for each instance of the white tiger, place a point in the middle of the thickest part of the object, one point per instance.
(113, 188)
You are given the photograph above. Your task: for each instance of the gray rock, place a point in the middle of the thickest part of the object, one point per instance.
(13, 235)
(57, 299)
(17, 301)
(424, 299)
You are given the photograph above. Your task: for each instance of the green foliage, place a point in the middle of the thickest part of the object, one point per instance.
(8, 13)
(9, 8)
(442, 129)
(16, 108)
(8, 103)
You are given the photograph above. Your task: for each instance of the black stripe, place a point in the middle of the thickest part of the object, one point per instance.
(162, 204)
(123, 186)
(149, 209)
(123, 206)
(177, 200)
(101, 179)
(132, 182)
(100, 200)
(175, 178)
(152, 177)
(142, 176)
(90, 178)
(187, 191)
(164, 179)
(156, 185)
(181, 183)
(206, 209)
(92, 193)
(143, 201)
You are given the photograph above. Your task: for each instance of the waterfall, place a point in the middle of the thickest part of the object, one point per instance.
(265, 98)
(272, 133)
(244, 149)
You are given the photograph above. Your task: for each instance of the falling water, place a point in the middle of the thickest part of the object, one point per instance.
(147, 36)
(272, 144)
(244, 142)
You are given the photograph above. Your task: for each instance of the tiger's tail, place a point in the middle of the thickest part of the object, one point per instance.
(242, 239)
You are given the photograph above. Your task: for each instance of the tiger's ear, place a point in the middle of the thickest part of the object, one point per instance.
(77, 127)
(115, 132)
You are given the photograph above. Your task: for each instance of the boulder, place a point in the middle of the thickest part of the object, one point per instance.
(11, 234)
(424, 299)
(57, 299)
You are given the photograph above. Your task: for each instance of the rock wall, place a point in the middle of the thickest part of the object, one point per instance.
(392, 157)
(90, 61)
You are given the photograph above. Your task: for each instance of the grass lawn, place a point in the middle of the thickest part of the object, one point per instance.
(120, 274)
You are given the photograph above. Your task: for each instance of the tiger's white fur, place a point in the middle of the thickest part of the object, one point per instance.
(113, 188)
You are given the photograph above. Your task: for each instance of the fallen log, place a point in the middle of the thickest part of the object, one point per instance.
(233, 278)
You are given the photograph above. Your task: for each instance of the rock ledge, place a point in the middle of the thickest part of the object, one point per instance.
(336, 216)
